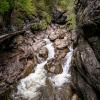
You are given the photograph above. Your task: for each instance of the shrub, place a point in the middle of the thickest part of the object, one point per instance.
(68, 5)
(4, 6)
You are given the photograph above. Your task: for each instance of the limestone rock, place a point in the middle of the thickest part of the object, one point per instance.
(43, 52)
(61, 43)
(53, 67)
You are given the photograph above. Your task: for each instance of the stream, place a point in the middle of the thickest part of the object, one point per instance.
(28, 88)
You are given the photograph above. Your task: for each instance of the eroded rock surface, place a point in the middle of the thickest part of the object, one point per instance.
(86, 63)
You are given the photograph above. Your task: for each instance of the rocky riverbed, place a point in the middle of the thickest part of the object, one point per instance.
(44, 59)
(55, 63)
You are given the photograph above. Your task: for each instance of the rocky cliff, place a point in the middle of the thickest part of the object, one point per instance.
(86, 62)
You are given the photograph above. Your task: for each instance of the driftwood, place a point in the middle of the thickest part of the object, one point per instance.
(9, 35)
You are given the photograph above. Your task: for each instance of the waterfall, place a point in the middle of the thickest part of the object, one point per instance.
(50, 48)
(28, 87)
(60, 79)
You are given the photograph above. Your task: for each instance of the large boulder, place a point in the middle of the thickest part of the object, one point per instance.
(53, 66)
(43, 53)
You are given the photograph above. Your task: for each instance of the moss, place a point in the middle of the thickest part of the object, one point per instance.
(26, 5)
(71, 18)
(46, 17)
(4, 6)
(43, 24)
(40, 26)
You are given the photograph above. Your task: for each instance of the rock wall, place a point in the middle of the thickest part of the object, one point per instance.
(86, 61)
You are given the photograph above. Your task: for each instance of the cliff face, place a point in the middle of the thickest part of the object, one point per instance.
(86, 62)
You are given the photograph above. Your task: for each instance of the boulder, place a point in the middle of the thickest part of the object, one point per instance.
(54, 67)
(61, 43)
(53, 35)
(43, 52)
(56, 32)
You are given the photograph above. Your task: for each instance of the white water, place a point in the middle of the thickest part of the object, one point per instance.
(50, 48)
(28, 87)
(62, 78)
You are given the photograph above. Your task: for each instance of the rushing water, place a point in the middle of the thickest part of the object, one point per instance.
(28, 87)
(62, 78)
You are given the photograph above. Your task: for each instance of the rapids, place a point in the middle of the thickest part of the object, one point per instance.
(60, 79)
(28, 88)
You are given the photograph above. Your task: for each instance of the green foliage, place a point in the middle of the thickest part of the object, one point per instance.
(26, 5)
(4, 6)
(68, 5)
(63, 4)
(71, 17)
(39, 26)
(44, 8)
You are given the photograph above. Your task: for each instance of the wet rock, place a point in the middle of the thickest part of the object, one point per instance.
(60, 54)
(75, 97)
(47, 92)
(50, 93)
(65, 93)
(61, 43)
(29, 68)
(37, 45)
(43, 52)
(53, 67)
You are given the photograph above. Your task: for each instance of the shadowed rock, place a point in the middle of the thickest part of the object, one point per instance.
(86, 62)
(59, 17)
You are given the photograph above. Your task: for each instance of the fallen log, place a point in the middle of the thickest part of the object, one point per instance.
(9, 35)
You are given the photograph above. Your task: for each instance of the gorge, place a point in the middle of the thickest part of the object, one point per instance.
(49, 50)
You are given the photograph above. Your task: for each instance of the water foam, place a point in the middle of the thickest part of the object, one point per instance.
(60, 79)
(28, 87)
